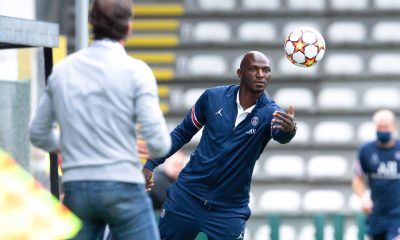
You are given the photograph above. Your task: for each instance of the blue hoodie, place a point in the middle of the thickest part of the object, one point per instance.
(220, 169)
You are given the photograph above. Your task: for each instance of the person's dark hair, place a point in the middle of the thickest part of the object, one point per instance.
(110, 18)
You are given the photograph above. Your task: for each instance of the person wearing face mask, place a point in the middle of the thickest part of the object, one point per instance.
(378, 162)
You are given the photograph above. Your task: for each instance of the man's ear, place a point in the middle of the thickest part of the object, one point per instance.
(130, 27)
(239, 73)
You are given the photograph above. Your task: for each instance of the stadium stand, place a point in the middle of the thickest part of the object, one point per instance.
(302, 97)
(271, 201)
(386, 32)
(349, 5)
(326, 167)
(302, 136)
(260, 4)
(256, 32)
(312, 5)
(337, 98)
(389, 97)
(349, 64)
(387, 4)
(326, 132)
(276, 167)
(346, 32)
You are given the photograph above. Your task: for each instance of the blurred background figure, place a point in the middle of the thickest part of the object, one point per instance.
(378, 163)
(164, 177)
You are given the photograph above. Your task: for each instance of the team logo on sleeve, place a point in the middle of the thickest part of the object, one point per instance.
(254, 121)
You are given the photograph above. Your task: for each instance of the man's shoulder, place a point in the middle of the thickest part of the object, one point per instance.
(222, 89)
(69, 59)
(136, 62)
(367, 146)
(138, 66)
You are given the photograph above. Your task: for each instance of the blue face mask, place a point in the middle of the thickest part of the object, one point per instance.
(383, 137)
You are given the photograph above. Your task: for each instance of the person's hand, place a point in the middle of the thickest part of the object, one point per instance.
(142, 149)
(148, 176)
(367, 204)
(284, 121)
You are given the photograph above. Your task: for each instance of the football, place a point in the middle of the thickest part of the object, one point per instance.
(305, 47)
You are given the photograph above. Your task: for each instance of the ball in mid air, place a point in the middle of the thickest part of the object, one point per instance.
(305, 46)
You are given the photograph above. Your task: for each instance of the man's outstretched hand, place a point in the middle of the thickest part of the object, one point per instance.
(284, 121)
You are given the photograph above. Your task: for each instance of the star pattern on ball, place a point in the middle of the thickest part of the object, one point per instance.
(309, 62)
(320, 44)
(290, 57)
(299, 45)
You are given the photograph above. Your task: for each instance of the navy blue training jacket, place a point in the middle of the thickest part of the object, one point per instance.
(220, 169)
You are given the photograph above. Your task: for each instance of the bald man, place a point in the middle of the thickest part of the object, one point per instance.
(212, 191)
(378, 162)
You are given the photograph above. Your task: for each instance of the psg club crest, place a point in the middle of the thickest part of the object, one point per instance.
(397, 155)
(254, 121)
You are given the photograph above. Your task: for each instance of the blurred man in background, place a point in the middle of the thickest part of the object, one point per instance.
(97, 95)
(164, 178)
(378, 162)
(212, 192)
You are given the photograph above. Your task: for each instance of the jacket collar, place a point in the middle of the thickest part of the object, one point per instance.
(232, 91)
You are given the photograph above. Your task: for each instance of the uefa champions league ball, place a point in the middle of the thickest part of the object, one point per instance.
(305, 46)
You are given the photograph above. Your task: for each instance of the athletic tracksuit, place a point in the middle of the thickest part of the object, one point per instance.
(212, 191)
(382, 167)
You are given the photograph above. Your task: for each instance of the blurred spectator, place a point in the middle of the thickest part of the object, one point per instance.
(378, 163)
(163, 178)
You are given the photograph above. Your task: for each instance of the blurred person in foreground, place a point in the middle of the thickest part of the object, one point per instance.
(165, 177)
(378, 164)
(97, 95)
(212, 191)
